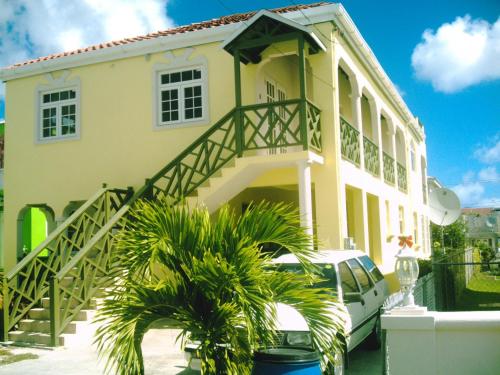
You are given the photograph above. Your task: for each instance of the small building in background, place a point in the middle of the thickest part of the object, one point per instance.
(483, 225)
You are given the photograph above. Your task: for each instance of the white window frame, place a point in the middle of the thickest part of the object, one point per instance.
(159, 87)
(57, 85)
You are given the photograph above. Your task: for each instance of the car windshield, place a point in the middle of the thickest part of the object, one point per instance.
(327, 270)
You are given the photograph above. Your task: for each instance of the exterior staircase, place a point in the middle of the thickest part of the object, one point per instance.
(52, 293)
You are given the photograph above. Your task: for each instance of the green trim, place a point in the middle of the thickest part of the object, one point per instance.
(81, 248)
(402, 178)
(302, 90)
(389, 175)
(267, 40)
(372, 163)
(349, 142)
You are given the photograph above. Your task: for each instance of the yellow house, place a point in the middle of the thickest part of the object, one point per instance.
(286, 105)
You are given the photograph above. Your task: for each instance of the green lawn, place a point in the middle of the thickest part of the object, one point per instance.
(482, 293)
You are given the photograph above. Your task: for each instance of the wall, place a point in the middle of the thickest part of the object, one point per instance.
(459, 343)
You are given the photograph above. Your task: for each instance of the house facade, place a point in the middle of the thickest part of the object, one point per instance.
(285, 105)
(483, 225)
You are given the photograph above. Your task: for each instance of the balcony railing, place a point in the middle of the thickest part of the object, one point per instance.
(402, 179)
(372, 163)
(349, 142)
(389, 175)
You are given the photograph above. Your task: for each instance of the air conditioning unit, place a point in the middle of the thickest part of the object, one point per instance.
(349, 243)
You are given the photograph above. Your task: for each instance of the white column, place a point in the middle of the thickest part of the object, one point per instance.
(305, 196)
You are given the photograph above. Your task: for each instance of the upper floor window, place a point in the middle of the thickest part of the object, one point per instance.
(182, 96)
(58, 114)
(413, 161)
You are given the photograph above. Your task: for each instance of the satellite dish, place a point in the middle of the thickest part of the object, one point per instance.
(444, 207)
(491, 221)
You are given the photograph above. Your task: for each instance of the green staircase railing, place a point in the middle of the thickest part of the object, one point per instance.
(27, 283)
(86, 255)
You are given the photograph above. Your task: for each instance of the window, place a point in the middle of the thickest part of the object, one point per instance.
(415, 228)
(348, 282)
(58, 114)
(401, 220)
(181, 96)
(413, 160)
(372, 268)
(363, 278)
(328, 275)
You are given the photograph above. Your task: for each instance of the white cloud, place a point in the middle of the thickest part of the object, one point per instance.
(489, 154)
(32, 28)
(459, 54)
(479, 189)
(469, 193)
(489, 175)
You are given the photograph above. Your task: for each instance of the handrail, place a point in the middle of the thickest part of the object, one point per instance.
(100, 234)
(193, 145)
(196, 163)
(52, 235)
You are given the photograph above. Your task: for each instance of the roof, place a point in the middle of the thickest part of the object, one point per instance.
(323, 256)
(225, 20)
(264, 17)
(482, 211)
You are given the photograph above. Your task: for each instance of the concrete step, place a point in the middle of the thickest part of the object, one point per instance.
(91, 305)
(41, 313)
(33, 338)
(43, 326)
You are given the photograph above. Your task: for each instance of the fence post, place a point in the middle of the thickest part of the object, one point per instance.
(5, 312)
(54, 312)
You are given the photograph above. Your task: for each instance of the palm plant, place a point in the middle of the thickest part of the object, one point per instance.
(211, 279)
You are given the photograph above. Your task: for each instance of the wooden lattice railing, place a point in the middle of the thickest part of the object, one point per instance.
(389, 173)
(349, 142)
(402, 178)
(27, 283)
(85, 255)
(372, 163)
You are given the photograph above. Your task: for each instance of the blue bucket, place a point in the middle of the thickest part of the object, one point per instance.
(286, 360)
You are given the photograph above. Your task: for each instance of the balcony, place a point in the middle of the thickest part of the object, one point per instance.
(279, 125)
(372, 163)
(349, 142)
(389, 174)
(402, 178)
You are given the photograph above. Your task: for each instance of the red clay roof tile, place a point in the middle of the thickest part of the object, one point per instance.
(225, 20)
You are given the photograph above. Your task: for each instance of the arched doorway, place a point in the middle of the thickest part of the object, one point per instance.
(34, 223)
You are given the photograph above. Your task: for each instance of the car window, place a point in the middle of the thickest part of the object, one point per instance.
(327, 273)
(372, 268)
(348, 282)
(361, 275)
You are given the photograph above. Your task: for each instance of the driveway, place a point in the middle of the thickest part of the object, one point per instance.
(161, 357)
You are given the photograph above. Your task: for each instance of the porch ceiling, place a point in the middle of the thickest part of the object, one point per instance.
(266, 28)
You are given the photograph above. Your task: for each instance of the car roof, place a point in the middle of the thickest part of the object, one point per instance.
(323, 256)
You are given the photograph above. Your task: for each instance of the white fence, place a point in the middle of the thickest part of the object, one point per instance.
(442, 343)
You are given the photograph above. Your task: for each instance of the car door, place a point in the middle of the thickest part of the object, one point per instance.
(370, 296)
(354, 306)
(377, 277)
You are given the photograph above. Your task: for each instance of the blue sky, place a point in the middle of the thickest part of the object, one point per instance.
(452, 83)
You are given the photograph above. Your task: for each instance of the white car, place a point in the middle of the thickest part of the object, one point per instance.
(359, 285)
